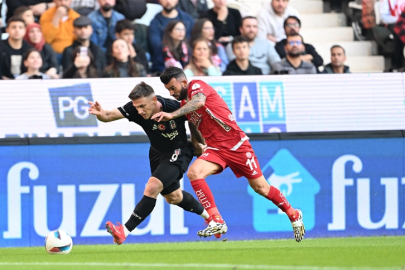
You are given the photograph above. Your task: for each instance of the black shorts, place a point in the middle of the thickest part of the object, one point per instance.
(170, 167)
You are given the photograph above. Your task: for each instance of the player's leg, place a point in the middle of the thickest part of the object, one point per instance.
(198, 171)
(142, 210)
(273, 194)
(185, 200)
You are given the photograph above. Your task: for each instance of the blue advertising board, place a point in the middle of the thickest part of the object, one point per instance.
(345, 187)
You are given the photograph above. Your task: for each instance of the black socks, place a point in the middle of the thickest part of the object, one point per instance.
(190, 204)
(141, 212)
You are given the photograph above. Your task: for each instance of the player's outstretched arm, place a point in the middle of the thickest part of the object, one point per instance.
(196, 102)
(197, 140)
(104, 115)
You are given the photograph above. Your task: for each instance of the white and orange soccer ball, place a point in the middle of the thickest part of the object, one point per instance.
(58, 242)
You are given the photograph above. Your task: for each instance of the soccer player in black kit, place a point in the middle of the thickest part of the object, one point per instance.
(170, 154)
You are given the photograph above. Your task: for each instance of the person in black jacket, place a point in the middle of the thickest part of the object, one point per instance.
(83, 31)
(131, 9)
(226, 21)
(37, 6)
(195, 8)
(292, 26)
(241, 64)
(13, 49)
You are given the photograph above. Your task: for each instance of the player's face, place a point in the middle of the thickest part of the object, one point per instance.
(145, 106)
(177, 88)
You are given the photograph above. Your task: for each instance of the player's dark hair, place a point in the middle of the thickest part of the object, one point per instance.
(15, 19)
(237, 40)
(140, 90)
(294, 18)
(170, 73)
(124, 24)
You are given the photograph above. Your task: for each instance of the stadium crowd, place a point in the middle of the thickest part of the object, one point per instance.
(93, 39)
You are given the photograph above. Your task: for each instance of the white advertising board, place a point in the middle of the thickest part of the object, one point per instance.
(260, 104)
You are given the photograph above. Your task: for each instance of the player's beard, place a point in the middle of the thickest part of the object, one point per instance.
(183, 93)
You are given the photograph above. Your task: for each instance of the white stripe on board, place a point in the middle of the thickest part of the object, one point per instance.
(195, 265)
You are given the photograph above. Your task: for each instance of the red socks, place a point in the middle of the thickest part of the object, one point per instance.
(204, 195)
(278, 199)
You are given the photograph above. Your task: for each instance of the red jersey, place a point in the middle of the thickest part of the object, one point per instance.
(214, 120)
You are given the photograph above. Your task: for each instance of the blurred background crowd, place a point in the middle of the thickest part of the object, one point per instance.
(51, 39)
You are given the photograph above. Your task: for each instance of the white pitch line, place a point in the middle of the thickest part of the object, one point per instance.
(195, 265)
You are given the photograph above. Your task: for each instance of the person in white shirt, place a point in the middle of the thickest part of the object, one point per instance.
(271, 19)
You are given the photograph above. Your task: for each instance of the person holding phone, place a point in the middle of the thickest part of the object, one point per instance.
(83, 65)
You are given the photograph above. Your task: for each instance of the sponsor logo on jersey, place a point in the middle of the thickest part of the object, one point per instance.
(170, 136)
(172, 124)
(161, 127)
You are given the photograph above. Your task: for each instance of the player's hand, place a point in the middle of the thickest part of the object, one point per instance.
(162, 116)
(95, 108)
(199, 149)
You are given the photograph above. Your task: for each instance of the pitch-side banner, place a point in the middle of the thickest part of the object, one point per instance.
(260, 104)
(348, 187)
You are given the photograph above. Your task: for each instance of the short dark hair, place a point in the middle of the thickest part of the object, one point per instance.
(338, 46)
(20, 10)
(28, 52)
(238, 39)
(295, 35)
(246, 18)
(170, 73)
(15, 19)
(124, 25)
(140, 90)
(292, 17)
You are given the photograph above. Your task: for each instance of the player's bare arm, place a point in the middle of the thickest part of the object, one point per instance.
(104, 115)
(196, 102)
(197, 140)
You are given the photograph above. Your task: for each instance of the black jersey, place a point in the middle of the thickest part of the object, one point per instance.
(164, 136)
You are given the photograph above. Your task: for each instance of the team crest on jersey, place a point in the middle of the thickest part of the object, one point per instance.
(161, 127)
(172, 124)
(195, 86)
(248, 155)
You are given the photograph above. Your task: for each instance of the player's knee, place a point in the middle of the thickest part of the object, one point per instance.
(153, 187)
(193, 174)
(173, 198)
(262, 190)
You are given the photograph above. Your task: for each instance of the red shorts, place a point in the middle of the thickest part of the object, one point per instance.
(243, 161)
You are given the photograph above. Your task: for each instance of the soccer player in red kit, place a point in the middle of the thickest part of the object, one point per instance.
(226, 146)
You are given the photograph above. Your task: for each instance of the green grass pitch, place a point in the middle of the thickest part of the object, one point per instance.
(326, 253)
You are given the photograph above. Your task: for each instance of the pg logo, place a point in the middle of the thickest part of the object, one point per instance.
(70, 106)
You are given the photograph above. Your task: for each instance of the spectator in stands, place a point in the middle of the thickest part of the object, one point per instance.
(13, 49)
(271, 19)
(241, 64)
(390, 12)
(204, 28)
(157, 27)
(175, 49)
(83, 30)
(83, 65)
(103, 22)
(125, 30)
(292, 63)
(84, 7)
(196, 8)
(37, 6)
(226, 21)
(131, 9)
(201, 64)
(35, 38)
(262, 53)
(26, 14)
(32, 61)
(338, 58)
(292, 26)
(122, 65)
(57, 26)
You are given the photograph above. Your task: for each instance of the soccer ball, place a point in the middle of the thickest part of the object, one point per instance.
(58, 242)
